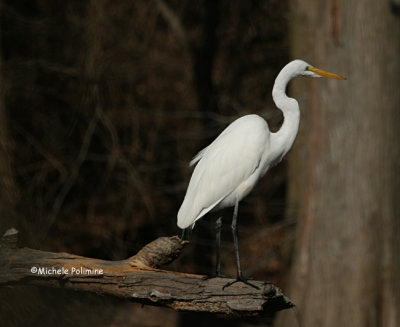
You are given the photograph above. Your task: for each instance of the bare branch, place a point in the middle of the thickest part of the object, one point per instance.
(74, 173)
(137, 279)
(173, 20)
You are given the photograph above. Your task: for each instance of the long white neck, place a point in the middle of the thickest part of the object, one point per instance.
(283, 139)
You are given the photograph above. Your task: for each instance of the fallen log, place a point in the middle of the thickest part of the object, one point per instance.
(137, 278)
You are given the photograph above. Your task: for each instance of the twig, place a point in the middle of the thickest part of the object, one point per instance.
(74, 173)
(173, 20)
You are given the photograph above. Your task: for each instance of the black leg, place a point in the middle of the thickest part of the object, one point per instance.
(218, 227)
(235, 237)
(218, 245)
(240, 277)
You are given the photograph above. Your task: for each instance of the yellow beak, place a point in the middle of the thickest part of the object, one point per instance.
(323, 73)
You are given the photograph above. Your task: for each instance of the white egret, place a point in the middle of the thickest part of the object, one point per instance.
(231, 165)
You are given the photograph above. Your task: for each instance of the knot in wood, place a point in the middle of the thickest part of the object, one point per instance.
(155, 296)
(159, 252)
(10, 238)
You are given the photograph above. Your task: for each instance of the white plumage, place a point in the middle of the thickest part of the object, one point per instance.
(227, 169)
(231, 165)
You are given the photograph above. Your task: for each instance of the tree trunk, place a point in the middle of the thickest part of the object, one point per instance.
(344, 170)
(8, 190)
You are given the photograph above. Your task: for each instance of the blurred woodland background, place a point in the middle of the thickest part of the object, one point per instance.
(103, 104)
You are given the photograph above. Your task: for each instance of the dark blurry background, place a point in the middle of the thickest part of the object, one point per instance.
(103, 104)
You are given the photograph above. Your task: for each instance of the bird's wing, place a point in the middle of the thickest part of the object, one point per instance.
(223, 166)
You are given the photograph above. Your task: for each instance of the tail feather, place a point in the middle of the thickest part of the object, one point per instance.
(188, 215)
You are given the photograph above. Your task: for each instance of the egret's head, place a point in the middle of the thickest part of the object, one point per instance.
(301, 68)
(293, 69)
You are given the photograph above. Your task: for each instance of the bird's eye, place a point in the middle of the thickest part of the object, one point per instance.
(307, 68)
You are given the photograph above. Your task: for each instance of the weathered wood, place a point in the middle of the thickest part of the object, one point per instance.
(137, 279)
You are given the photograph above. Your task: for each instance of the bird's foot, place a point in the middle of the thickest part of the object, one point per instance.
(242, 279)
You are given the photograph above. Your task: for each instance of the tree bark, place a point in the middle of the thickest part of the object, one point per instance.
(8, 189)
(137, 279)
(344, 170)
